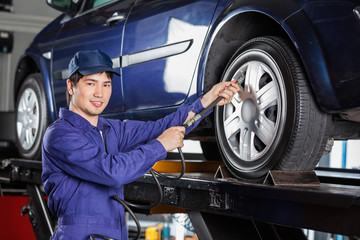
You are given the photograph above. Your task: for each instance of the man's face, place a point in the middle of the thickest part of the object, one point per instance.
(90, 96)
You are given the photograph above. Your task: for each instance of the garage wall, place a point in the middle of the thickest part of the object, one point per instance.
(351, 157)
(25, 18)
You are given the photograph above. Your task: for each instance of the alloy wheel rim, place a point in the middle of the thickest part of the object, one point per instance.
(251, 122)
(28, 118)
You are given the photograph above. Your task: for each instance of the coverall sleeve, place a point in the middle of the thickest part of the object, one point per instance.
(145, 131)
(71, 152)
(83, 157)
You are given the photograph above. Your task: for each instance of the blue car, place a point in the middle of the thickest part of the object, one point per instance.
(297, 62)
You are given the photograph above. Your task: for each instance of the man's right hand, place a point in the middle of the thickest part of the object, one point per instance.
(172, 138)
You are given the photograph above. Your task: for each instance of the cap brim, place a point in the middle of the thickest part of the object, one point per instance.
(99, 69)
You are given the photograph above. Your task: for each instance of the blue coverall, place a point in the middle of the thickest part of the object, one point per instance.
(83, 166)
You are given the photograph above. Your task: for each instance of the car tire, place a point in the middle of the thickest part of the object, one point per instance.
(275, 123)
(32, 117)
(210, 150)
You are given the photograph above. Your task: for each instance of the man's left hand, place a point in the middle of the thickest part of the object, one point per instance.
(227, 90)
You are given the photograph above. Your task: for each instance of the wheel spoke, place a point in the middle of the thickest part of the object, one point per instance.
(253, 75)
(236, 100)
(34, 115)
(265, 130)
(28, 136)
(231, 126)
(32, 101)
(23, 102)
(21, 117)
(268, 95)
(22, 136)
(245, 144)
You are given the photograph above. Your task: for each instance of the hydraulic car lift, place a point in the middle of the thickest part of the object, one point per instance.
(221, 207)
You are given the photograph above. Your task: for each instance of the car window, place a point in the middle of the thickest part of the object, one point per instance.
(62, 3)
(95, 3)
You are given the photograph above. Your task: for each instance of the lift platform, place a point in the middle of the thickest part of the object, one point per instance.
(221, 207)
(225, 208)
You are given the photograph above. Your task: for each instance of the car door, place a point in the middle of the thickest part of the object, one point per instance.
(162, 44)
(98, 26)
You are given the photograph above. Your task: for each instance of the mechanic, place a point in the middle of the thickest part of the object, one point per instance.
(87, 158)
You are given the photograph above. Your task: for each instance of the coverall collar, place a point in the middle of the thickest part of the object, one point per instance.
(78, 121)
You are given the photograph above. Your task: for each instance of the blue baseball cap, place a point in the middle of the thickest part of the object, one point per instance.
(90, 62)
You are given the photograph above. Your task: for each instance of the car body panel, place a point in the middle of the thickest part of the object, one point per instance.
(89, 31)
(156, 86)
(41, 44)
(229, 10)
(177, 28)
(338, 30)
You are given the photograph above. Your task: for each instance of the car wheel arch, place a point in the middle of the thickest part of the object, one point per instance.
(316, 68)
(256, 24)
(25, 67)
(266, 25)
(28, 65)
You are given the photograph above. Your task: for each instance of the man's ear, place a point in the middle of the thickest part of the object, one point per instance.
(70, 87)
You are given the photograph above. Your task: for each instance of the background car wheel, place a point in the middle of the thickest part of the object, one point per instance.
(31, 117)
(275, 123)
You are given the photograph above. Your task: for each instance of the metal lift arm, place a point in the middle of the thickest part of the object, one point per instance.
(26, 175)
(214, 204)
(326, 207)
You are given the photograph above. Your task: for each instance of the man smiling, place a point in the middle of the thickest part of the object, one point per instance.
(87, 158)
(91, 96)
(93, 88)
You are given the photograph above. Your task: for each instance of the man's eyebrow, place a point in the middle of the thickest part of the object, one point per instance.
(94, 80)
(90, 79)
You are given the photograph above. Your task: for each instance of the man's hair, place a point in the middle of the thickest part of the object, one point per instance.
(75, 79)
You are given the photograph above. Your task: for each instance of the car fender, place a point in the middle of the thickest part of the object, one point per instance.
(304, 38)
(32, 62)
(291, 21)
(232, 10)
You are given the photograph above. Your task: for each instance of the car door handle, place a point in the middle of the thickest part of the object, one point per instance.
(116, 17)
(357, 12)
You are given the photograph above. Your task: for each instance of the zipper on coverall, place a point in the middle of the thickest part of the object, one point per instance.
(103, 136)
